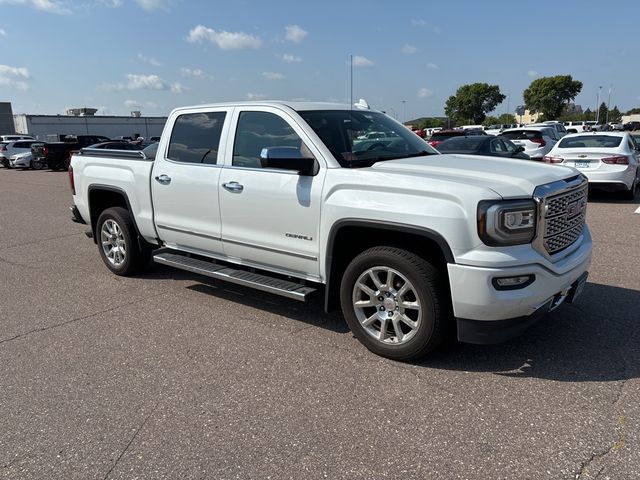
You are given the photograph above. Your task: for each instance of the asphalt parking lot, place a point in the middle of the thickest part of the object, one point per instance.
(168, 375)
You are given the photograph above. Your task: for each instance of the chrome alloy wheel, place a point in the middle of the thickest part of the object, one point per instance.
(113, 243)
(386, 305)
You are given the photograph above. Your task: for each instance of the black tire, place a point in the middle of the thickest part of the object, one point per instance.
(37, 165)
(66, 163)
(135, 257)
(429, 291)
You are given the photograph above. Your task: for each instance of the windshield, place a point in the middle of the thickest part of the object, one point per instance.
(357, 138)
(590, 141)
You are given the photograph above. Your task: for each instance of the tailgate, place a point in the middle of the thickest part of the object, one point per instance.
(38, 150)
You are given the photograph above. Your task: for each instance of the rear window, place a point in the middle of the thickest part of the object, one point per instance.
(195, 137)
(461, 144)
(522, 135)
(590, 141)
(445, 135)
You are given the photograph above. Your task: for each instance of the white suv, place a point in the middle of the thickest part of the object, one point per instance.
(537, 141)
(8, 138)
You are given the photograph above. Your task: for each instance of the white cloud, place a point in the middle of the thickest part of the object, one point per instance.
(359, 61)
(532, 73)
(132, 104)
(177, 88)
(256, 96)
(195, 73)
(273, 76)
(149, 5)
(424, 93)
(290, 58)
(145, 82)
(3, 32)
(149, 60)
(49, 6)
(295, 34)
(409, 49)
(418, 22)
(224, 40)
(433, 66)
(14, 77)
(111, 3)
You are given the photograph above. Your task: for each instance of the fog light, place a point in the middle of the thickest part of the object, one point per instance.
(513, 283)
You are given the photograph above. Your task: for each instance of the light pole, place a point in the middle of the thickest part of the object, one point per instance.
(598, 106)
(609, 103)
(404, 112)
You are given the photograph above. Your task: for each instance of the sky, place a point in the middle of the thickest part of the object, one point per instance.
(408, 56)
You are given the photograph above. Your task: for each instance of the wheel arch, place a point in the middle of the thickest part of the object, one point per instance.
(349, 237)
(101, 197)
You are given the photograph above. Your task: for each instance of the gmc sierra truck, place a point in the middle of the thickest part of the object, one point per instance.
(411, 244)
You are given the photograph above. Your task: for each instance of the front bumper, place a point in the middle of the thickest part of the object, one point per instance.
(501, 314)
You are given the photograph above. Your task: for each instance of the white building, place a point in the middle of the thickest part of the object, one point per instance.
(56, 127)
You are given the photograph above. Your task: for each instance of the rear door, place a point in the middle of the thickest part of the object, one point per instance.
(270, 216)
(185, 181)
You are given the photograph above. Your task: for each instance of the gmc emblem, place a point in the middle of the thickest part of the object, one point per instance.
(576, 208)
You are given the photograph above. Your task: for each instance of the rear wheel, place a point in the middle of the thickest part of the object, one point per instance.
(395, 303)
(37, 165)
(118, 242)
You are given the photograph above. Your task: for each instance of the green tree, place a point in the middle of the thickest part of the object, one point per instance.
(602, 112)
(587, 115)
(633, 111)
(431, 122)
(505, 118)
(472, 102)
(549, 95)
(615, 115)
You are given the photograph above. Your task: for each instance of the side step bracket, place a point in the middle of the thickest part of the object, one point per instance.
(258, 281)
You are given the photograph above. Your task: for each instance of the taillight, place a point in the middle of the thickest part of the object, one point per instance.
(539, 141)
(45, 151)
(434, 143)
(617, 160)
(548, 159)
(72, 182)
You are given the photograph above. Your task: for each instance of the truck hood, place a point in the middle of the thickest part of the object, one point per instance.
(509, 178)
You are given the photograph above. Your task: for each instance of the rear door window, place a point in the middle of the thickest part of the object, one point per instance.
(522, 135)
(196, 138)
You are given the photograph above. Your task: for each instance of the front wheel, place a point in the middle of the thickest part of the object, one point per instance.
(395, 303)
(118, 243)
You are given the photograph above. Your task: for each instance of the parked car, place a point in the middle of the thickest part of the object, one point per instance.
(438, 137)
(483, 145)
(409, 243)
(576, 126)
(24, 160)
(616, 127)
(498, 128)
(57, 155)
(609, 160)
(631, 126)
(13, 147)
(560, 128)
(9, 138)
(537, 141)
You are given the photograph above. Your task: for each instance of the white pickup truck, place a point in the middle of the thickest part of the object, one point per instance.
(412, 245)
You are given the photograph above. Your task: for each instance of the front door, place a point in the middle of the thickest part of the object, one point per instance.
(270, 217)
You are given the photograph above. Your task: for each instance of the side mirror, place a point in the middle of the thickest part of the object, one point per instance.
(287, 158)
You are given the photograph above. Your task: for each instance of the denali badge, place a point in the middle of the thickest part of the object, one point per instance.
(298, 236)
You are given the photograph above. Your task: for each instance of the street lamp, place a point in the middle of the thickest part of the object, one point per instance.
(609, 103)
(404, 112)
(598, 106)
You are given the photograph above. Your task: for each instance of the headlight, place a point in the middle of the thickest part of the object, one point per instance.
(506, 222)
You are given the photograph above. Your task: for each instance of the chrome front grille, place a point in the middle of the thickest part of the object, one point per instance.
(563, 211)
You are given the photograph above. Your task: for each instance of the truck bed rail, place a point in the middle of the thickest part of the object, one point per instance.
(128, 154)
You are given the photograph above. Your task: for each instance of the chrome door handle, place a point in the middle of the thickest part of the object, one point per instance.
(233, 186)
(163, 179)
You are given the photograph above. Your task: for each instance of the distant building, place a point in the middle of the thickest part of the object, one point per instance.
(528, 117)
(83, 122)
(630, 118)
(6, 119)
